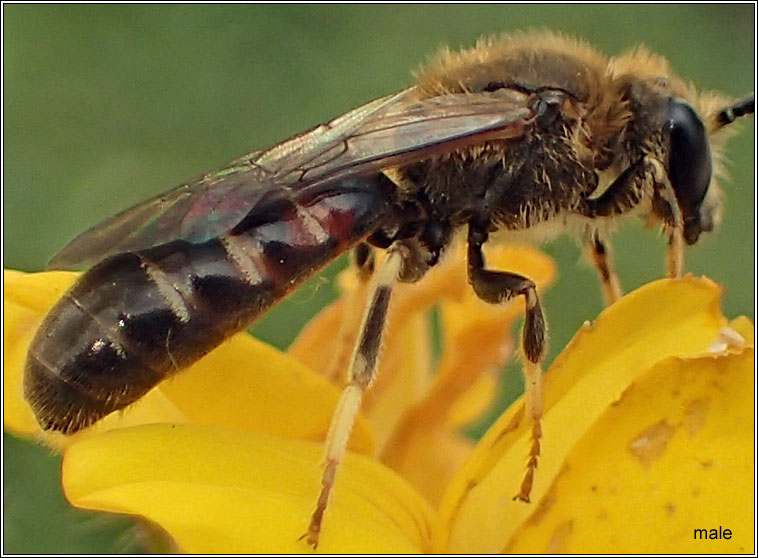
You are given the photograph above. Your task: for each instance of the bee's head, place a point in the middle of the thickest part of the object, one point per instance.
(691, 161)
(692, 129)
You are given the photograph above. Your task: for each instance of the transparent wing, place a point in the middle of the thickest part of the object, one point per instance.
(390, 131)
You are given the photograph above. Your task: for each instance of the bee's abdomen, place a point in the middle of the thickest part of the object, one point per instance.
(137, 318)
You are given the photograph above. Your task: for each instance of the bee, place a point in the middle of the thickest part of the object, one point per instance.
(531, 132)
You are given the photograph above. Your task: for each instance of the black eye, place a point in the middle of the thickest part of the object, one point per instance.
(690, 164)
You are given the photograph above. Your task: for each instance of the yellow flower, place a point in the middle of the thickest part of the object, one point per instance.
(647, 431)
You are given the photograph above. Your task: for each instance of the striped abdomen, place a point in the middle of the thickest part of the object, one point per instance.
(136, 318)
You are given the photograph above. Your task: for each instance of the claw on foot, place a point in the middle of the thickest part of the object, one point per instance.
(311, 538)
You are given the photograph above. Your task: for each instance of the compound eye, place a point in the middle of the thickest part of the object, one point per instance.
(690, 165)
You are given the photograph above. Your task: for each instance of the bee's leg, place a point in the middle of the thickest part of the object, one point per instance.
(624, 194)
(363, 365)
(363, 260)
(601, 257)
(499, 286)
(628, 191)
(672, 217)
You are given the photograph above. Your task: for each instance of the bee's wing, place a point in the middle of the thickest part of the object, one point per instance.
(391, 131)
(396, 130)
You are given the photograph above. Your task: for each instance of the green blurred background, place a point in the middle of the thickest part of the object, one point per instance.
(108, 105)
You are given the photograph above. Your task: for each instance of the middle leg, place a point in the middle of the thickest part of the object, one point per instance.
(499, 286)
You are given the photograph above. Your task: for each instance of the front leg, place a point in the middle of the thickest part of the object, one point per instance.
(601, 257)
(499, 286)
(671, 214)
(645, 180)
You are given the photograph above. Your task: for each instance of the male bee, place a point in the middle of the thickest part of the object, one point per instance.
(529, 132)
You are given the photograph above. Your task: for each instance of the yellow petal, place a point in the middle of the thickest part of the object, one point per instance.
(37, 291)
(27, 298)
(245, 384)
(661, 319)
(409, 358)
(228, 491)
(248, 384)
(675, 454)
(317, 343)
(19, 325)
(435, 458)
(475, 401)
(744, 327)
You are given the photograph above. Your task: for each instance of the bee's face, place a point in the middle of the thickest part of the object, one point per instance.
(690, 167)
(686, 132)
(686, 129)
(670, 131)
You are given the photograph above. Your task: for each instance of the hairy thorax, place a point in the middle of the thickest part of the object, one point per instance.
(567, 149)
